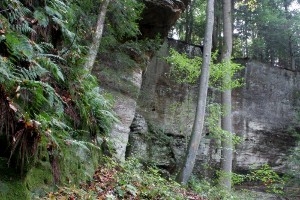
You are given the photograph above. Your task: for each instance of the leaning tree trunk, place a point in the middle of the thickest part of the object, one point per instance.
(93, 51)
(194, 142)
(226, 123)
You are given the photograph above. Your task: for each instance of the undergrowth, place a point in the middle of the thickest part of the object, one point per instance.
(130, 180)
(134, 180)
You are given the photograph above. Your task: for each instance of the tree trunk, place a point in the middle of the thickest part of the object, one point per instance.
(93, 51)
(216, 30)
(189, 22)
(290, 43)
(194, 142)
(226, 123)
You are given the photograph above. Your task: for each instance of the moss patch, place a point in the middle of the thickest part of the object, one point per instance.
(12, 186)
(78, 161)
(39, 180)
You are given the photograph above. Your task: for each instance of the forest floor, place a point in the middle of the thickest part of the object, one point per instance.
(115, 181)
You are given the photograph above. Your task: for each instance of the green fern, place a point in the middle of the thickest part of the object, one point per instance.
(56, 10)
(42, 97)
(55, 70)
(42, 18)
(19, 45)
(5, 70)
(16, 13)
(30, 71)
(22, 28)
(94, 108)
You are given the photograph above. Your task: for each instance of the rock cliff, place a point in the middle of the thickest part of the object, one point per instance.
(125, 82)
(264, 111)
(156, 114)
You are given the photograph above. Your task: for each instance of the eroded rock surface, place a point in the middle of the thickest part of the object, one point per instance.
(125, 82)
(264, 112)
(159, 16)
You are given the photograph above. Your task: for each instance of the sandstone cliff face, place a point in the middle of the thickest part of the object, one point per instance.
(264, 112)
(157, 18)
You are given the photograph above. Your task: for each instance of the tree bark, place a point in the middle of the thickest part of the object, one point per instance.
(216, 30)
(226, 122)
(189, 22)
(194, 141)
(93, 51)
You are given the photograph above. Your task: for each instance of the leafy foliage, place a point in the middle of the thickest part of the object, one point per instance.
(184, 69)
(187, 70)
(191, 25)
(210, 190)
(212, 123)
(217, 75)
(265, 176)
(123, 17)
(269, 31)
(21, 69)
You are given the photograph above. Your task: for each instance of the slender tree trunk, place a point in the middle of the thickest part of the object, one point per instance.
(246, 39)
(226, 123)
(215, 39)
(194, 142)
(290, 44)
(189, 22)
(93, 51)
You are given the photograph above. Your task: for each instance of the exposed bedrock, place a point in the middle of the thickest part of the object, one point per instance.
(264, 112)
(157, 18)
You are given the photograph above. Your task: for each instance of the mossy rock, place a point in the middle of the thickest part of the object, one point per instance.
(78, 163)
(39, 180)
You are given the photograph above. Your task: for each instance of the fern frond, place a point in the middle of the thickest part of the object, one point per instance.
(5, 69)
(52, 67)
(82, 144)
(50, 56)
(53, 12)
(22, 28)
(59, 124)
(59, 5)
(41, 48)
(79, 143)
(54, 100)
(19, 45)
(70, 35)
(18, 8)
(46, 46)
(43, 19)
(41, 97)
(32, 73)
(16, 14)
